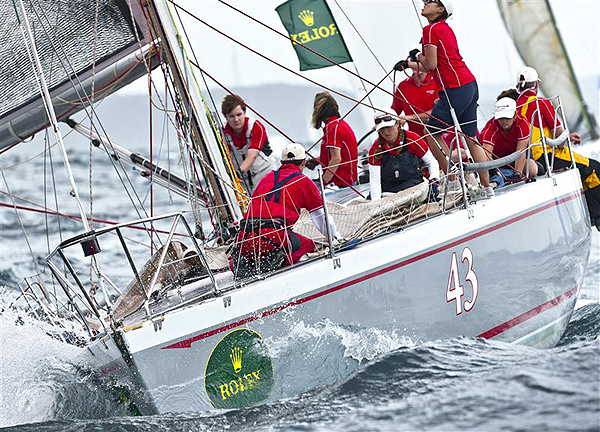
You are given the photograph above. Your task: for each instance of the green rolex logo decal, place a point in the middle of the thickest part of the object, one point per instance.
(239, 372)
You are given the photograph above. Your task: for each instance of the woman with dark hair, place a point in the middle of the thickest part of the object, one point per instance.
(339, 151)
(458, 85)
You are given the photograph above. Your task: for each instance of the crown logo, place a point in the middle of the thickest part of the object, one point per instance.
(307, 17)
(236, 359)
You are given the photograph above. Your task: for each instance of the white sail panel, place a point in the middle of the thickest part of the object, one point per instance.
(533, 29)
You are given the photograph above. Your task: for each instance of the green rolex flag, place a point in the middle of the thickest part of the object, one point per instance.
(310, 23)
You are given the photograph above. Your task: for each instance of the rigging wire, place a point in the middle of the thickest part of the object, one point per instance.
(218, 118)
(74, 75)
(35, 263)
(91, 142)
(333, 63)
(42, 153)
(275, 127)
(279, 64)
(361, 38)
(151, 145)
(288, 69)
(42, 209)
(222, 145)
(45, 190)
(242, 198)
(183, 133)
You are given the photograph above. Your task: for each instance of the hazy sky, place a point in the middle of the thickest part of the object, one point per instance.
(391, 29)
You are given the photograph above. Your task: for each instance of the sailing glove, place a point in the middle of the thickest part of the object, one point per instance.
(434, 190)
(413, 55)
(311, 164)
(401, 65)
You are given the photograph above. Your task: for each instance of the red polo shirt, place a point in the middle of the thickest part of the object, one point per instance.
(450, 64)
(258, 135)
(504, 143)
(526, 107)
(411, 98)
(412, 143)
(284, 199)
(337, 133)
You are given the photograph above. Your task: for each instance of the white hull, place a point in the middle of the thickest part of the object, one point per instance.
(526, 250)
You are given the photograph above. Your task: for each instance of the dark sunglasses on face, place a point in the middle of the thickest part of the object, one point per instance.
(430, 1)
(383, 119)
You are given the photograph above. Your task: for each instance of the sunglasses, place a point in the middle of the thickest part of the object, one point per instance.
(384, 119)
(430, 1)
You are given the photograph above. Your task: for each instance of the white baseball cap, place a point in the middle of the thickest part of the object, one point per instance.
(448, 5)
(527, 74)
(505, 108)
(384, 120)
(292, 152)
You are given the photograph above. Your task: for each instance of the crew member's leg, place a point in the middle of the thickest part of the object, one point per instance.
(464, 100)
(300, 245)
(589, 170)
(439, 122)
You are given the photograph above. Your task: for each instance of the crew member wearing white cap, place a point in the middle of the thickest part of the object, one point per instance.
(506, 133)
(589, 169)
(266, 229)
(395, 156)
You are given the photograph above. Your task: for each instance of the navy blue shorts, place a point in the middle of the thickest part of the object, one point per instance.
(464, 101)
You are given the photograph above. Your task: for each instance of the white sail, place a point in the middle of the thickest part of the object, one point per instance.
(77, 52)
(532, 26)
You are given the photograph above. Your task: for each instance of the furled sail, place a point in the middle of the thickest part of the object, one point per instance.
(80, 46)
(533, 29)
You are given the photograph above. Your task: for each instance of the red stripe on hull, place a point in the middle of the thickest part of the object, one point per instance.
(527, 315)
(187, 343)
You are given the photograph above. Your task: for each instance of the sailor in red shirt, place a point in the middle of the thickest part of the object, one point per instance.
(415, 97)
(506, 133)
(589, 169)
(266, 240)
(339, 150)
(528, 102)
(248, 142)
(394, 159)
(458, 85)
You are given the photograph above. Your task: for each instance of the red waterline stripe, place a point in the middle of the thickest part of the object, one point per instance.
(527, 315)
(187, 343)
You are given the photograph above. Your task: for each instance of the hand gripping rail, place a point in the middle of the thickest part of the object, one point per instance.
(496, 163)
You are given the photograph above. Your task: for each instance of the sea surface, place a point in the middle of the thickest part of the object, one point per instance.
(455, 384)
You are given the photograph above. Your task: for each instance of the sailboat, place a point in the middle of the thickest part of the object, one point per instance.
(182, 333)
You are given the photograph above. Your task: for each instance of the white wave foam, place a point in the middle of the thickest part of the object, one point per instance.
(27, 393)
(358, 343)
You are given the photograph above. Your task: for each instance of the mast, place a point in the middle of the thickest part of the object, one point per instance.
(203, 139)
(27, 34)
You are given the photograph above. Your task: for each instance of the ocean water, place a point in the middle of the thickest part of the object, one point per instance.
(456, 384)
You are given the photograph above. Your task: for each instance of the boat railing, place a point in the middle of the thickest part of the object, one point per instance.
(176, 259)
(547, 142)
(459, 137)
(327, 222)
(560, 110)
